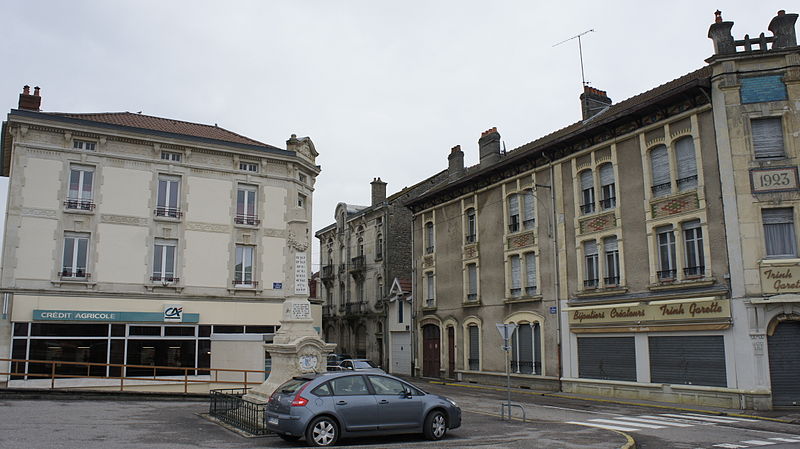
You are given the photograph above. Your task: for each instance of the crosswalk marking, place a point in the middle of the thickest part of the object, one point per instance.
(602, 426)
(786, 440)
(686, 420)
(648, 420)
(728, 445)
(727, 418)
(759, 443)
(701, 418)
(616, 422)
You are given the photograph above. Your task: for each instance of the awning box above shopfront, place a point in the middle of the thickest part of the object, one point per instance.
(686, 311)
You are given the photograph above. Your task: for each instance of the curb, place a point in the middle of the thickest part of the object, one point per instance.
(46, 393)
(620, 402)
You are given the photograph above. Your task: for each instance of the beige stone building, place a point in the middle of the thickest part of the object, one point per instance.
(607, 242)
(148, 241)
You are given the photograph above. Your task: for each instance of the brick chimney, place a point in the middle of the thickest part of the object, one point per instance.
(378, 191)
(28, 101)
(593, 101)
(489, 146)
(455, 162)
(782, 26)
(720, 33)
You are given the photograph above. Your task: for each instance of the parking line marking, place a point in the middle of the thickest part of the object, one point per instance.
(615, 422)
(655, 421)
(602, 426)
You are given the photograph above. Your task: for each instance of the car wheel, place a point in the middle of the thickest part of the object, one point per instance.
(435, 425)
(290, 438)
(322, 431)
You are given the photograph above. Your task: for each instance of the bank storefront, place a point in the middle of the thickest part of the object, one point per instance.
(675, 349)
(136, 332)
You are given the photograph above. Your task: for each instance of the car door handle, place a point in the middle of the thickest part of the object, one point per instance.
(341, 403)
(384, 401)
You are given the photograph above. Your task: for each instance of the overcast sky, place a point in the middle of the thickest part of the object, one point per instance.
(382, 88)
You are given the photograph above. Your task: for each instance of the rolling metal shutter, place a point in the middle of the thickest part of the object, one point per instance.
(474, 348)
(688, 360)
(610, 358)
(784, 363)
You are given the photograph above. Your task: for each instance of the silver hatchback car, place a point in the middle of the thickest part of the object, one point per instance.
(328, 406)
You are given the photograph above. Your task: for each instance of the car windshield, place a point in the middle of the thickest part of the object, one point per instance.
(292, 385)
(363, 364)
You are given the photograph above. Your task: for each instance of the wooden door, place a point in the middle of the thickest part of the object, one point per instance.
(430, 350)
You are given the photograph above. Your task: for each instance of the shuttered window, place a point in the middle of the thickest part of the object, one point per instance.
(611, 358)
(666, 252)
(590, 256)
(474, 347)
(608, 188)
(587, 192)
(528, 219)
(530, 274)
(659, 166)
(779, 238)
(688, 360)
(767, 137)
(516, 283)
(472, 277)
(693, 248)
(513, 213)
(687, 164)
(612, 261)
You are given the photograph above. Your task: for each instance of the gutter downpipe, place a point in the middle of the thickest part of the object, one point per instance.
(556, 272)
(413, 300)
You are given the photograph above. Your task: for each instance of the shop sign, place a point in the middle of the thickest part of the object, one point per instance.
(656, 311)
(173, 313)
(777, 279)
(105, 316)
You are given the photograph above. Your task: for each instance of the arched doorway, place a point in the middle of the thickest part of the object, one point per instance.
(784, 363)
(430, 350)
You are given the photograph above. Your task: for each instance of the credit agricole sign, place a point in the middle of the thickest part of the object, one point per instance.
(656, 311)
(777, 279)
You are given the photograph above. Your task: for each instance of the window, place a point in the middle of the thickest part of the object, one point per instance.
(687, 165)
(693, 241)
(430, 290)
(528, 218)
(472, 282)
(387, 386)
(360, 247)
(168, 194)
(164, 261)
(302, 177)
(767, 137)
(516, 283)
(513, 213)
(474, 360)
(659, 166)
(248, 166)
(171, 156)
(471, 226)
(590, 275)
(301, 200)
(587, 192)
(608, 189)
(530, 274)
(666, 253)
(379, 247)
(610, 247)
(243, 272)
(76, 250)
(246, 212)
(779, 238)
(429, 238)
(526, 357)
(83, 145)
(400, 307)
(349, 386)
(80, 188)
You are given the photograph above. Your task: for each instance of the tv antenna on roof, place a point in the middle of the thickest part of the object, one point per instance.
(580, 51)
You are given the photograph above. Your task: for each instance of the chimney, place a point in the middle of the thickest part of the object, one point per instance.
(28, 101)
(489, 146)
(378, 191)
(782, 26)
(593, 101)
(720, 33)
(455, 162)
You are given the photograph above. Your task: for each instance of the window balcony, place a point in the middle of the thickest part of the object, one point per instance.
(661, 189)
(328, 310)
(522, 367)
(169, 212)
(587, 208)
(516, 292)
(694, 272)
(355, 308)
(74, 273)
(472, 297)
(164, 279)
(358, 265)
(238, 283)
(611, 281)
(591, 283)
(666, 275)
(429, 250)
(608, 203)
(87, 205)
(530, 291)
(469, 238)
(687, 183)
(342, 268)
(430, 303)
(513, 227)
(244, 219)
(529, 223)
(474, 364)
(327, 272)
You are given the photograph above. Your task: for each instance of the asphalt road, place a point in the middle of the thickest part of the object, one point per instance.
(552, 423)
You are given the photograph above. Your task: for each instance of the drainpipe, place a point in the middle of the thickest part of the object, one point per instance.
(556, 273)
(414, 294)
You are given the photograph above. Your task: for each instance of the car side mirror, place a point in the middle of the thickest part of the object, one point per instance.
(407, 395)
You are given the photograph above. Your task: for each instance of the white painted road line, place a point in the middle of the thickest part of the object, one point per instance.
(727, 418)
(786, 440)
(618, 422)
(653, 420)
(699, 418)
(624, 429)
(684, 420)
(728, 445)
(759, 443)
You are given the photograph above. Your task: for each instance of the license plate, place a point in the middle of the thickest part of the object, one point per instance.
(273, 421)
